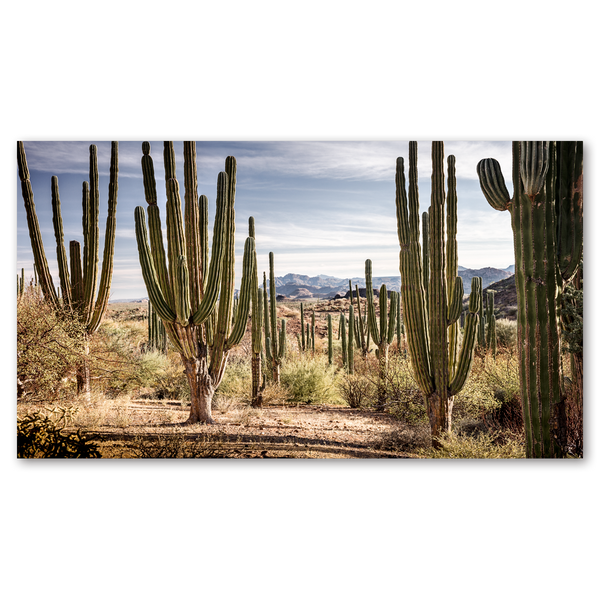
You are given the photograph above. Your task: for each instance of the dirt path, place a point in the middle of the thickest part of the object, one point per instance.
(289, 431)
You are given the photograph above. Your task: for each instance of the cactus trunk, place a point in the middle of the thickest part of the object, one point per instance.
(547, 221)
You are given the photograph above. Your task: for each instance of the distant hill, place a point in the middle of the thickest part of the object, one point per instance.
(298, 287)
(488, 276)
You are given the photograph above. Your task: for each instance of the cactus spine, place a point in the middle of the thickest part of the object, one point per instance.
(275, 343)
(547, 221)
(182, 286)
(427, 327)
(78, 290)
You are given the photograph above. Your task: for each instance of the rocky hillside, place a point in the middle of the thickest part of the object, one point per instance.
(488, 276)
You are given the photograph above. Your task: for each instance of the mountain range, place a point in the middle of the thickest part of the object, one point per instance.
(295, 287)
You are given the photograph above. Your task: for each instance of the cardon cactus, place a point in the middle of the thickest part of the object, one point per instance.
(383, 334)
(195, 299)
(78, 289)
(258, 381)
(157, 335)
(546, 212)
(275, 339)
(428, 325)
(362, 328)
(329, 339)
(491, 323)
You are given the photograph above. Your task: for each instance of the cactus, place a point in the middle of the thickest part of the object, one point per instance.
(303, 342)
(78, 292)
(312, 332)
(195, 299)
(546, 212)
(343, 337)
(491, 323)
(275, 344)
(351, 326)
(427, 326)
(258, 379)
(384, 334)
(362, 337)
(157, 335)
(481, 328)
(329, 339)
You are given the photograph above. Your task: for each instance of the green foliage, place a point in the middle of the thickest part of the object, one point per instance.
(235, 380)
(485, 445)
(506, 333)
(310, 380)
(38, 436)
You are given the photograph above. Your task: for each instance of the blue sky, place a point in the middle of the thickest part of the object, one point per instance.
(322, 207)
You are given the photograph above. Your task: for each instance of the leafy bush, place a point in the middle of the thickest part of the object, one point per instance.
(506, 333)
(237, 380)
(310, 379)
(38, 436)
(484, 445)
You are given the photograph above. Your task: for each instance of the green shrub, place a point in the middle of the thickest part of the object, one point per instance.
(237, 380)
(484, 445)
(310, 379)
(38, 436)
(506, 333)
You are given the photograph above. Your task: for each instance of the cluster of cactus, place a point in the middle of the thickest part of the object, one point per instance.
(432, 304)
(21, 283)
(547, 221)
(77, 288)
(346, 334)
(383, 334)
(195, 299)
(275, 338)
(362, 331)
(306, 337)
(157, 335)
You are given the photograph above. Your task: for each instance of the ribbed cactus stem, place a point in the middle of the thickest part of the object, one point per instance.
(547, 220)
(303, 345)
(491, 323)
(275, 340)
(329, 339)
(312, 331)
(351, 340)
(344, 340)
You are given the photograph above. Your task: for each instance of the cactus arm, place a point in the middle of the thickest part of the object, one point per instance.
(412, 290)
(391, 330)
(109, 241)
(371, 316)
(61, 253)
(266, 319)
(91, 235)
(35, 235)
(312, 330)
(244, 298)
(350, 348)
(148, 272)
(303, 341)
(425, 219)
(273, 304)
(569, 207)
(76, 275)
(193, 233)
(218, 255)
(455, 308)
(438, 312)
(452, 265)
(534, 165)
(282, 340)
(492, 184)
(383, 313)
(329, 339)
(465, 359)
(344, 339)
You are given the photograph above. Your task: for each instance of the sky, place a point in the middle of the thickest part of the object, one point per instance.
(322, 207)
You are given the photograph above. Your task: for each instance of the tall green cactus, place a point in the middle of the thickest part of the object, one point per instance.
(428, 326)
(78, 290)
(363, 333)
(383, 334)
(491, 323)
(329, 339)
(547, 221)
(195, 299)
(258, 381)
(343, 337)
(275, 340)
(157, 335)
(303, 343)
